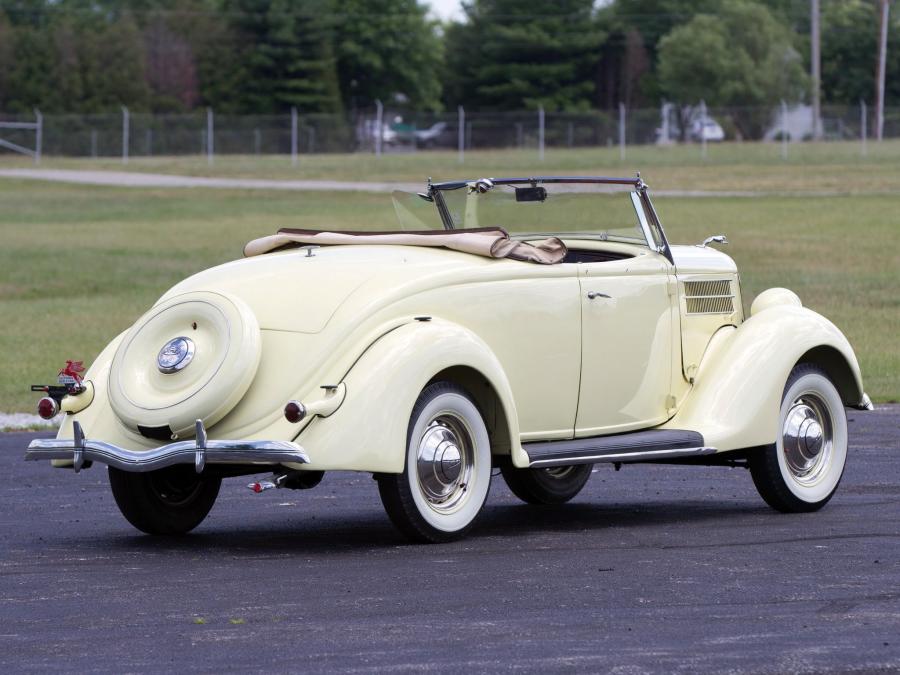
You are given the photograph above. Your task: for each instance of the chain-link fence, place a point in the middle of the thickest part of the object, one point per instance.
(127, 134)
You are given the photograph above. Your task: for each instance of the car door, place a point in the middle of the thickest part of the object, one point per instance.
(627, 310)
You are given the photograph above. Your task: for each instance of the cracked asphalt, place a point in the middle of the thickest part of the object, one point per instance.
(651, 569)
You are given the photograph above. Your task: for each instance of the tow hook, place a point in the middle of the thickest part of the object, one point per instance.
(292, 480)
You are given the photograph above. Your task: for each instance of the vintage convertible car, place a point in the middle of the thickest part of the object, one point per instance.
(537, 325)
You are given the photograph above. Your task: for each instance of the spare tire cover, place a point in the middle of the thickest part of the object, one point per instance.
(224, 335)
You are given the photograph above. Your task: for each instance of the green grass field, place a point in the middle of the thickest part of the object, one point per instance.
(79, 264)
(827, 167)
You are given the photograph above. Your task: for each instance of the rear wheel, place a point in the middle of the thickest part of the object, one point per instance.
(447, 473)
(801, 471)
(555, 485)
(173, 500)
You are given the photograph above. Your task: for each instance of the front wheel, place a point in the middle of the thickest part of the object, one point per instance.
(801, 471)
(555, 485)
(173, 500)
(447, 472)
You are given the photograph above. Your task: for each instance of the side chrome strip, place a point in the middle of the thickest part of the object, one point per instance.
(623, 457)
(198, 452)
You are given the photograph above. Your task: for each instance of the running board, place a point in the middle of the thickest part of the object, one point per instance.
(636, 446)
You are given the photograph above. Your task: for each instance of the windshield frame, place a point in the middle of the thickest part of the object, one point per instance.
(648, 219)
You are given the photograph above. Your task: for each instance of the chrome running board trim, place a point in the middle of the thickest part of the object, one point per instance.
(632, 446)
(623, 457)
(199, 452)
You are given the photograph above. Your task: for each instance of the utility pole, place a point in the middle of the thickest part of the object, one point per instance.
(816, 70)
(880, 74)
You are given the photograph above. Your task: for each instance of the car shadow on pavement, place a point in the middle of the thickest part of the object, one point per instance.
(367, 531)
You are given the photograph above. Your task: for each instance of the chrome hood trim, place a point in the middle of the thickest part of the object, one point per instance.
(198, 452)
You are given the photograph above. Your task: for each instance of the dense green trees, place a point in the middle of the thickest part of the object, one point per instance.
(717, 58)
(513, 55)
(387, 50)
(338, 56)
(285, 56)
(849, 42)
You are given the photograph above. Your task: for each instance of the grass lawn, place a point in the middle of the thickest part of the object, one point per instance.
(828, 167)
(80, 264)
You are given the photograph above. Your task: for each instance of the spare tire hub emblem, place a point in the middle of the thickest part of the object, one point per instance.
(175, 355)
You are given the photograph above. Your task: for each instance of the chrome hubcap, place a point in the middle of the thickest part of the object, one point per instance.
(807, 439)
(444, 460)
(559, 472)
(175, 355)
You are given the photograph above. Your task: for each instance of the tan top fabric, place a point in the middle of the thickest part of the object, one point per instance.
(488, 242)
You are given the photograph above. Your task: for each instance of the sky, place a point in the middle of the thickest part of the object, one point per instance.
(445, 9)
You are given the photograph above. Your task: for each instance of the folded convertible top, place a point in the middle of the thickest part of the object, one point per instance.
(491, 242)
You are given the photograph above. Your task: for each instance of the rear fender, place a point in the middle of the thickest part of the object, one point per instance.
(368, 432)
(736, 396)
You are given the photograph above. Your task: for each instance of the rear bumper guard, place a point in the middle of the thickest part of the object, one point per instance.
(198, 452)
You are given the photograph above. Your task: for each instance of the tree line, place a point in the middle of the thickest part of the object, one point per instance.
(339, 56)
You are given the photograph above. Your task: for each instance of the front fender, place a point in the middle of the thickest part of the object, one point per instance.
(736, 396)
(368, 432)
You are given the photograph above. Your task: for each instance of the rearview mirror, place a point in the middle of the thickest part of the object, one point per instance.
(531, 194)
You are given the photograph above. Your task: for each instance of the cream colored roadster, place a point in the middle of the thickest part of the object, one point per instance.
(538, 325)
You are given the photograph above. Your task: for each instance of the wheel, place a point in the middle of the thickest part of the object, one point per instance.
(801, 471)
(555, 485)
(173, 500)
(447, 472)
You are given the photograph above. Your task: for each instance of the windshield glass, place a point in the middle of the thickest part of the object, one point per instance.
(560, 209)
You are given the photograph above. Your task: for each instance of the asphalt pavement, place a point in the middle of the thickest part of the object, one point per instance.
(650, 569)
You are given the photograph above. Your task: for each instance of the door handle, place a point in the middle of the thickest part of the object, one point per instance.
(594, 294)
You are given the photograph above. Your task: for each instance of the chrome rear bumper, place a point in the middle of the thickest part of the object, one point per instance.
(198, 452)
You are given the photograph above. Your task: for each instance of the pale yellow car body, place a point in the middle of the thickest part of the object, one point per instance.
(376, 324)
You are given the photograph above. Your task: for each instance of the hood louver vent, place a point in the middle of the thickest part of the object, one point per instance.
(709, 297)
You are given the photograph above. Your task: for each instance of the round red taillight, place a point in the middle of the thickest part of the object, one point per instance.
(294, 411)
(48, 408)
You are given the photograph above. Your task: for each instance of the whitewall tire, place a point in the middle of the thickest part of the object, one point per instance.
(447, 473)
(802, 470)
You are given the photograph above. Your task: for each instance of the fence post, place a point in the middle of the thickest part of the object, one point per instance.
(621, 131)
(210, 137)
(38, 135)
(863, 130)
(461, 135)
(703, 128)
(784, 132)
(125, 132)
(293, 136)
(379, 126)
(541, 133)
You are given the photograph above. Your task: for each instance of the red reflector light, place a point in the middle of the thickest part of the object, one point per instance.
(47, 408)
(294, 411)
